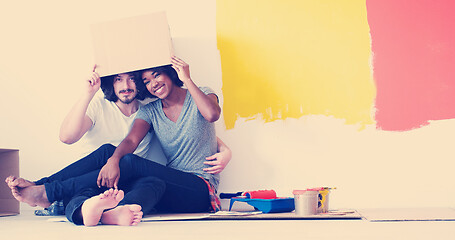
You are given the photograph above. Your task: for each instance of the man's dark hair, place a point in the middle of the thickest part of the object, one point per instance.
(107, 85)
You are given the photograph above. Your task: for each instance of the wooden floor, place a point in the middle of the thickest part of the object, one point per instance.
(28, 226)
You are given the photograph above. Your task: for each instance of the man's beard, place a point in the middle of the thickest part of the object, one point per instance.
(127, 100)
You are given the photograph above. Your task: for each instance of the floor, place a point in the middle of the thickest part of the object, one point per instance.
(28, 226)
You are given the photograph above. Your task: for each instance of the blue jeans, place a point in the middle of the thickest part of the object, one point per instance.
(145, 192)
(184, 192)
(57, 185)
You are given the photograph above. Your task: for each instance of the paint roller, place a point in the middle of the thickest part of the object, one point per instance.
(259, 194)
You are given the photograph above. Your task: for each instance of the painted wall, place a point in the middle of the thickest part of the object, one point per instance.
(314, 93)
(413, 62)
(316, 86)
(284, 59)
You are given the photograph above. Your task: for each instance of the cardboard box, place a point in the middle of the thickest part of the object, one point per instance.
(132, 44)
(9, 165)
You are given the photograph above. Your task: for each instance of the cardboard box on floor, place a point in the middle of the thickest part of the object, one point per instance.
(9, 165)
(132, 44)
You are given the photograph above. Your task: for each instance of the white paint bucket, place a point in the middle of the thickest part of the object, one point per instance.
(306, 202)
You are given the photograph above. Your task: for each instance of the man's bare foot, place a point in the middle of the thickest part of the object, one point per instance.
(14, 182)
(32, 195)
(93, 208)
(125, 215)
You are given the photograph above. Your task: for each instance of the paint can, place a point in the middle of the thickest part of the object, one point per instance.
(306, 202)
(323, 200)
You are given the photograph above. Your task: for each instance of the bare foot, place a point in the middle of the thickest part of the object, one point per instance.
(125, 215)
(14, 182)
(93, 208)
(32, 195)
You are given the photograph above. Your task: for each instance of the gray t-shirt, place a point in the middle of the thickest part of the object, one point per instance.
(187, 142)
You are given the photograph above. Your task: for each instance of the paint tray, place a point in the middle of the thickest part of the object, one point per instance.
(275, 205)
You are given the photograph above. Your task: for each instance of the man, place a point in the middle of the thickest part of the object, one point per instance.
(108, 120)
(105, 120)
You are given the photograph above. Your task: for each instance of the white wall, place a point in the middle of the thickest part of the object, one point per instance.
(46, 53)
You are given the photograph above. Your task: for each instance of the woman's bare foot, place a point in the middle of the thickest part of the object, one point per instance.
(125, 215)
(32, 195)
(93, 208)
(14, 182)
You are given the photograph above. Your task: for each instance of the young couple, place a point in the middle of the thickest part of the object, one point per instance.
(114, 186)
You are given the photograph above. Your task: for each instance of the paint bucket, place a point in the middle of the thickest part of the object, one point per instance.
(323, 198)
(323, 201)
(306, 202)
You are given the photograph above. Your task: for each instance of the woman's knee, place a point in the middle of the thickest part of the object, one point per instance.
(129, 157)
(141, 167)
(127, 160)
(151, 181)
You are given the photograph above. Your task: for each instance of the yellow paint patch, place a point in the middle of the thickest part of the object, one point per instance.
(285, 58)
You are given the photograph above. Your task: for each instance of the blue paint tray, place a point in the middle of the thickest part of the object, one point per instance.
(275, 205)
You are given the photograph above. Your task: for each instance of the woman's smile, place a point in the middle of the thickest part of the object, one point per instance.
(159, 89)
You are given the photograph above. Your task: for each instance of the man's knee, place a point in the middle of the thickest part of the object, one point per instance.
(103, 153)
(107, 147)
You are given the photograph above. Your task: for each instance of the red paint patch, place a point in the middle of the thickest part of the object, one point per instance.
(413, 43)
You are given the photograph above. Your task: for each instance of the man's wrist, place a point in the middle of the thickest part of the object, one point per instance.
(87, 97)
